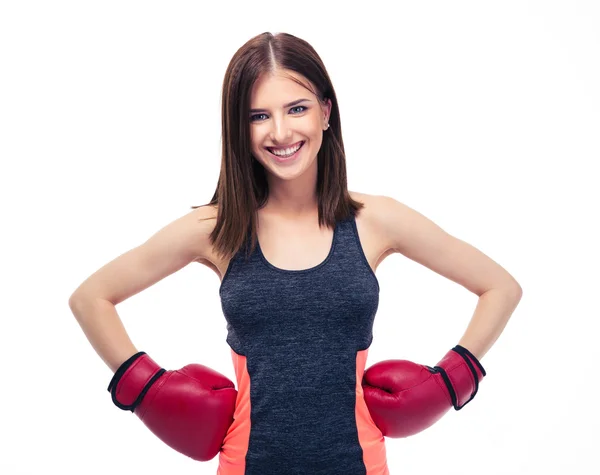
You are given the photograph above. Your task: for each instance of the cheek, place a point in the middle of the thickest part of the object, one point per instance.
(315, 132)
(310, 131)
(256, 142)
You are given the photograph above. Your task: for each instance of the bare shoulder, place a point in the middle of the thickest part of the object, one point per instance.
(205, 222)
(375, 241)
(372, 213)
(202, 220)
(394, 222)
(369, 200)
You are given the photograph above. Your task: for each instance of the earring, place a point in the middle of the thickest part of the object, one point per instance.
(327, 126)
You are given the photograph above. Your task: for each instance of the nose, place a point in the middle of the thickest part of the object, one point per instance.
(280, 131)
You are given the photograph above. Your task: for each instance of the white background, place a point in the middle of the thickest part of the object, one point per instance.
(483, 116)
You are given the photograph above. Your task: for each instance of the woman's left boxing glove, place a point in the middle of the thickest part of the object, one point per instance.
(189, 409)
(405, 398)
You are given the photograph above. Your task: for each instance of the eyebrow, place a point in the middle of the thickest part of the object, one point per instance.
(285, 105)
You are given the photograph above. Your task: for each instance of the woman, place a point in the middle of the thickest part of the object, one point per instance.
(296, 253)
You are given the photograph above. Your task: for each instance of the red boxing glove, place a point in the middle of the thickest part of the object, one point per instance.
(405, 398)
(189, 409)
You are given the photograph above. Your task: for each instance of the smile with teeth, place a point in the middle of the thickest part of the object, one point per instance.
(286, 152)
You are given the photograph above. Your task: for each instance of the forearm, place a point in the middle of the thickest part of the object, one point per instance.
(491, 315)
(103, 328)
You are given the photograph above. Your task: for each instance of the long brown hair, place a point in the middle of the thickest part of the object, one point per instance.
(242, 187)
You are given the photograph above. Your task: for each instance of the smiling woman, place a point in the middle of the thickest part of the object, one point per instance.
(296, 252)
(277, 96)
(282, 126)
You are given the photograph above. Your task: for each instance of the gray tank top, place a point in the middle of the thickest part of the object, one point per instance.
(299, 332)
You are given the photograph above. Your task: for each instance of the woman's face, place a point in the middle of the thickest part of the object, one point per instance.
(280, 121)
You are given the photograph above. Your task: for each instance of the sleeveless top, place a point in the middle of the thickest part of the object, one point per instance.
(299, 341)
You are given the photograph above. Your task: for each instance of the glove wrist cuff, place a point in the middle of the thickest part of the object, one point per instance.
(132, 380)
(461, 372)
(466, 353)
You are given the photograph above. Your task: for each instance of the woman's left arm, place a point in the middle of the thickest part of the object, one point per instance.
(421, 240)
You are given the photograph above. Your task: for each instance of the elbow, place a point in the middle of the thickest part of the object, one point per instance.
(512, 288)
(75, 298)
(515, 292)
(76, 301)
(518, 290)
(512, 291)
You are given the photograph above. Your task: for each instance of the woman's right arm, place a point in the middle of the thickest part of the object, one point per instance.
(170, 249)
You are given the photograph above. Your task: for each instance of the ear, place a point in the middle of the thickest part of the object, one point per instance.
(326, 110)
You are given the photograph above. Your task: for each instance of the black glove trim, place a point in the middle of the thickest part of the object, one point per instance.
(121, 370)
(448, 383)
(114, 382)
(465, 354)
(462, 350)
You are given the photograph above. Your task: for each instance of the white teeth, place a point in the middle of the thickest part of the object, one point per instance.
(284, 152)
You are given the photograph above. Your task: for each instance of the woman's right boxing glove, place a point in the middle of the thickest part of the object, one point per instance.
(189, 409)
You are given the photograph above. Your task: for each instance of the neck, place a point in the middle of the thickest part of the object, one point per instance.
(292, 203)
(291, 210)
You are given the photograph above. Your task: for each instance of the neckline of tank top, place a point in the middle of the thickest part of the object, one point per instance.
(302, 271)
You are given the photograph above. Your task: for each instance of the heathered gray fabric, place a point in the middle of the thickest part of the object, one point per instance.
(300, 331)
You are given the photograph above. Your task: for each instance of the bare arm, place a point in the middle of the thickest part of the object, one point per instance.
(94, 302)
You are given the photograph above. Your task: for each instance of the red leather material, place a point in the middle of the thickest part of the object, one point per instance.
(189, 409)
(405, 398)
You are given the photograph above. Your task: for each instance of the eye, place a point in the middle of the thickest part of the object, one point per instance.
(299, 107)
(253, 117)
